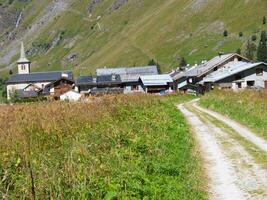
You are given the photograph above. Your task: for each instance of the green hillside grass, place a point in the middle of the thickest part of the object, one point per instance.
(123, 147)
(144, 30)
(247, 107)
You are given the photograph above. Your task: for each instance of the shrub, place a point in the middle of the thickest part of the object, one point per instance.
(225, 33)
(254, 38)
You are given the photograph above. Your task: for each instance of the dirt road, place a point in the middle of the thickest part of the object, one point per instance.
(234, 157)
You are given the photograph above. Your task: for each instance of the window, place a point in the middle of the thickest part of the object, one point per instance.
(259, 72)
(190, 80)
(215, 69)
(135, 87)
(23, 67)
(250, 83)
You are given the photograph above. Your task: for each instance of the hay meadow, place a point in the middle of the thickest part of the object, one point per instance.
(116, 147)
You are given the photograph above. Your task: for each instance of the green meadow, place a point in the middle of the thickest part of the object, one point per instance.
(247, 107)
(116, 147)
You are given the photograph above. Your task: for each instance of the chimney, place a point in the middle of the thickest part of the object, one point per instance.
(64, 75)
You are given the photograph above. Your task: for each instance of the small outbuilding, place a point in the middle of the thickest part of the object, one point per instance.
(84, 84)
(70, 96)
(57, 88)
(156, 83)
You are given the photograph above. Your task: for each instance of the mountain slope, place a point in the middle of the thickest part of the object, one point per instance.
(84, 35)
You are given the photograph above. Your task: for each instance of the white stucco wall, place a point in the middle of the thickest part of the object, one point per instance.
(259, 80)
(128, 89)
(248, 75)
(23, 68)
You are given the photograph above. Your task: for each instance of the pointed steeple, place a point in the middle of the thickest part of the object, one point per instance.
(24, 65)
(22, 58)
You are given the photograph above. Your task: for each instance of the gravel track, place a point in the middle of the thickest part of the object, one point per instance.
(233, 173)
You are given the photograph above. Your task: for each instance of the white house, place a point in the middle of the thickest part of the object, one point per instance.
(190, 79)
(24, 78)
(70, 96)
(238, 75)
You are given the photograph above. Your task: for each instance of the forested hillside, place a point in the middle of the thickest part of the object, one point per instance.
(86, 34)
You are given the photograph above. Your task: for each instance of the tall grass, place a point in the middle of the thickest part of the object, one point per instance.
(247, 107)
(135, 147)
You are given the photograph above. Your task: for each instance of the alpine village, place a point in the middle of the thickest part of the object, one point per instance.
(225, 71)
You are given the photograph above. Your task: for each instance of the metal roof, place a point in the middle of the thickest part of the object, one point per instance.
(156, 80)
(39, 77)
(230, 70)
(203, 68)
(108, 78)
(83, 80)
(130, 74)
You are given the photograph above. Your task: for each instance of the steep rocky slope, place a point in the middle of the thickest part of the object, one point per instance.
(86, 34)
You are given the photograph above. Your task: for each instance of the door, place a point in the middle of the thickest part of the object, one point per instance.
(265, 84)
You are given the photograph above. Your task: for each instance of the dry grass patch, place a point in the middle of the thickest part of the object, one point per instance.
(120, 147)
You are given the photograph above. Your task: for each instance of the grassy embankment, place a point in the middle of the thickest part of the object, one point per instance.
(247, 107)
(134, 147)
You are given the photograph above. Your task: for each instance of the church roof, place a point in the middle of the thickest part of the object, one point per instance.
(39, 77)
(22, 58)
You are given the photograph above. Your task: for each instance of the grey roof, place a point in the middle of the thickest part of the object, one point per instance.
(106, 90)
(204, 68)
(230, 70)
(39, 77)
(130, 74)
(26, 94)
(83, 80)
(108, 78)
(156, 80)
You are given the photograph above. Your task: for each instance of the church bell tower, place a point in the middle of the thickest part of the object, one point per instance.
(24, 65)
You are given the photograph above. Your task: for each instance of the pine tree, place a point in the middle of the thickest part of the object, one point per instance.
(152, 62)
(238, 51)
(251, 48)
(225, 33)
(159, 68)
(262, 48)
(254, 37)
(183, 63)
